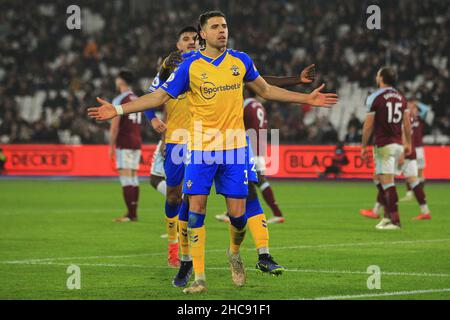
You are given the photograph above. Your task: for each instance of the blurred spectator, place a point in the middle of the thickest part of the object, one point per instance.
(339, 160)
(353, 136)
(61, 71)
(354, 122)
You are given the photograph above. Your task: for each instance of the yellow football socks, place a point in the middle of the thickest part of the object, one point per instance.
(183, 236)
(172, 229)
(197, 240)
(258, 228)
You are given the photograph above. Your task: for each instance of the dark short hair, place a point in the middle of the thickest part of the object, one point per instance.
(204, 17)
(187, 29)
(389, 75)
(127, 76)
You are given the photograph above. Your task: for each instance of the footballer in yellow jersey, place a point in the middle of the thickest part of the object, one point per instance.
(175, 139)
(213, 80)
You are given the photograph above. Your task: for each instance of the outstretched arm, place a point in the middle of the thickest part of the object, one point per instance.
(108, 111)
(306, 76)
(270, 92)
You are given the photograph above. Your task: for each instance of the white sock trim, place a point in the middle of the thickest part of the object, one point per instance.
(264, 186)
(263, 251)
(162, 187)
(387, 186)
(377, 207)
(424, 209)
(186, 257)
(414, 184)
(126, 181)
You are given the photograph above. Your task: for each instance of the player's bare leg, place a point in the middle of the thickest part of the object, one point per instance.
(238, 223)
(197, 240)
(417, 188)
(130, 188)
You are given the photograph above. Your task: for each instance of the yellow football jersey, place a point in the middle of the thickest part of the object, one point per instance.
(177, 120)
(214, 90)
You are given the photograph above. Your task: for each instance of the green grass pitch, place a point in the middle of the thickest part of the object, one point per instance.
(45, 226)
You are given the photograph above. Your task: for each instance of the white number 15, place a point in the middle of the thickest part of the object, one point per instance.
(394, 114)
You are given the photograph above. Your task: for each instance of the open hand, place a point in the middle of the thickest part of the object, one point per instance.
(320, 99)
(364, 153)
(308, 74)
(407, 150)
(105, 112)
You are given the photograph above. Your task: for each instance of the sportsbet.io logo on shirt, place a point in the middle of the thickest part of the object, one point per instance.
(208, 90)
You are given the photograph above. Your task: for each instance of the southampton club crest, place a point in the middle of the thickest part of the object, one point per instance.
(235, 70)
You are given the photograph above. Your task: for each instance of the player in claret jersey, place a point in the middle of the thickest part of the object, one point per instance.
(387, 112)
(410, 168)
(213, 80)
(125, 140)
(420, 110)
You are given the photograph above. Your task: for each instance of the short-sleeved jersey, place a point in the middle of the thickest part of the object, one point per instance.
(177, 112)
(214, 90)
(389, 106)
(255, 119)
(129, 136)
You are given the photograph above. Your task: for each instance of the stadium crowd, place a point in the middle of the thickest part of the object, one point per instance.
(49, 74)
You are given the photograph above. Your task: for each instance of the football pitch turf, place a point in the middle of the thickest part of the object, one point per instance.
(326, 246)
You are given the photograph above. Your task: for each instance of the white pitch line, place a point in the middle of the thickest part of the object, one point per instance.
(142, 266)
(152, 209)
(383, 273)
(320, 246)
(384, 294)
(82, 258)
